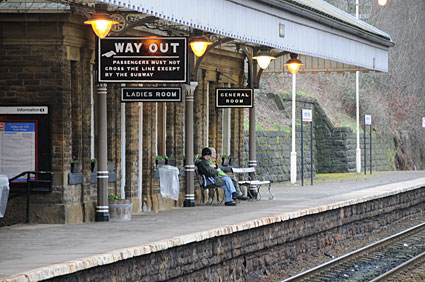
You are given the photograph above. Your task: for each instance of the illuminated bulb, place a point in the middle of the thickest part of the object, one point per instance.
(199, 47)
(294, 64)
(101, 28)
(101, 22)
(264, 61)
(294, 68)
(382, 2)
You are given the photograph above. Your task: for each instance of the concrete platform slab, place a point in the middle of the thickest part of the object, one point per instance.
(33, 252)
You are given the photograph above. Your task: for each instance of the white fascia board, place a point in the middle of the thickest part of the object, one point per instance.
(255, 22)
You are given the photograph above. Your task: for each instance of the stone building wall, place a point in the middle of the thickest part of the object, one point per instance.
(334, 148)
(46, 59)
(42, 62)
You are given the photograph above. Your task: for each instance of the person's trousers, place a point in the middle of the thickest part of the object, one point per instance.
(228, 188)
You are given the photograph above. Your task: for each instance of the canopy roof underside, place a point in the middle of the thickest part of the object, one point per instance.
(328, 39)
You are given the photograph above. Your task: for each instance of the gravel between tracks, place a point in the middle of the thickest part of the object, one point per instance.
(317, 257)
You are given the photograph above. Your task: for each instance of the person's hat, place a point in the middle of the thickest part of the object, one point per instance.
(206, 151)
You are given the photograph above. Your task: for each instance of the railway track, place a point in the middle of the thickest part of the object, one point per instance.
(383, 260)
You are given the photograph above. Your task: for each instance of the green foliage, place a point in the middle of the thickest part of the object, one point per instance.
(246, 125)
(391, 158)
(74, 159)
(278, 126)
(350, 124)
(170, 157)
(113, 197)
(283, 128)
(159, 158)
(304, 93)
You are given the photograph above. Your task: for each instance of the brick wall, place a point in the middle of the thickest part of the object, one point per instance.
(37, 67)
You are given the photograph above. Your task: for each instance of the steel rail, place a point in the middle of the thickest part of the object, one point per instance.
(339, 260)
(399, 268)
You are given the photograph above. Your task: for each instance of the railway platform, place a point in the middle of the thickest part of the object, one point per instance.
(35, 252)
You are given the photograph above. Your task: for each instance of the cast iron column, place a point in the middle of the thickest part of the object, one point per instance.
(189, 167)
(358, 150)
(293, 152)
(252, 138)
(252, 69)
(102, 208)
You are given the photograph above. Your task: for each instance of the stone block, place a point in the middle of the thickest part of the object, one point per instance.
(75, 178)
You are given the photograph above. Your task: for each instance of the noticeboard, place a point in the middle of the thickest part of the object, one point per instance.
(24, 139)
(307, 115)
(18, 147)
(151, 94)
(368, 119)
(233, 98)
(142, 59)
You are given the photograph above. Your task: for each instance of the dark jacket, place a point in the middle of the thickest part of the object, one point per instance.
(205, 168)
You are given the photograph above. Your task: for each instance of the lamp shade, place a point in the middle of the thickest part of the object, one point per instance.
(382, 2)
(199, 45)
(264, 58)
(101, 22)
(294, 64)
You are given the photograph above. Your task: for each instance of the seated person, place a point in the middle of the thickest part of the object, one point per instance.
(229, 181)
(204, 167)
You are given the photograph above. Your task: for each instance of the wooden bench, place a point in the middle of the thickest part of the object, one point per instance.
(247, 177)
(201, 181)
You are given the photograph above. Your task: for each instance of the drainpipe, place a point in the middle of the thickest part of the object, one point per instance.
(140, 162)
(123, 141)
(92, 156)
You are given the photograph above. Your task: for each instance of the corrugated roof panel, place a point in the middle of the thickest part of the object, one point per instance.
(257, 22)
(312, 28)
(328, 9)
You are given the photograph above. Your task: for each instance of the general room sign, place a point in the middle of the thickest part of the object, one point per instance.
(142, 59)
(233, 98)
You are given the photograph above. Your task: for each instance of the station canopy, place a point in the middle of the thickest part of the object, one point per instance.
(326, 38)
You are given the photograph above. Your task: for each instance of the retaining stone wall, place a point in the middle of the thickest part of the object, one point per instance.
(266, 249)
(334, 148)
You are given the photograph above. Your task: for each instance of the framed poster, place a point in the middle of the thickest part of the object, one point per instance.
(18, 147)
(24, 140)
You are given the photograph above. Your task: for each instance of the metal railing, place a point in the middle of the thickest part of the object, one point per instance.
(39, 188)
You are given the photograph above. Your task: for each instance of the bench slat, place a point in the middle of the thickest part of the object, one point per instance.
(254, 182)
(243, 170)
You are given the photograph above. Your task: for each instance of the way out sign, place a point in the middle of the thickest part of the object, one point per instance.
(142, 59)
(307, 115)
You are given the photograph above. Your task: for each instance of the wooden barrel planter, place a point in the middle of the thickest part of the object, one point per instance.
(120, 210)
